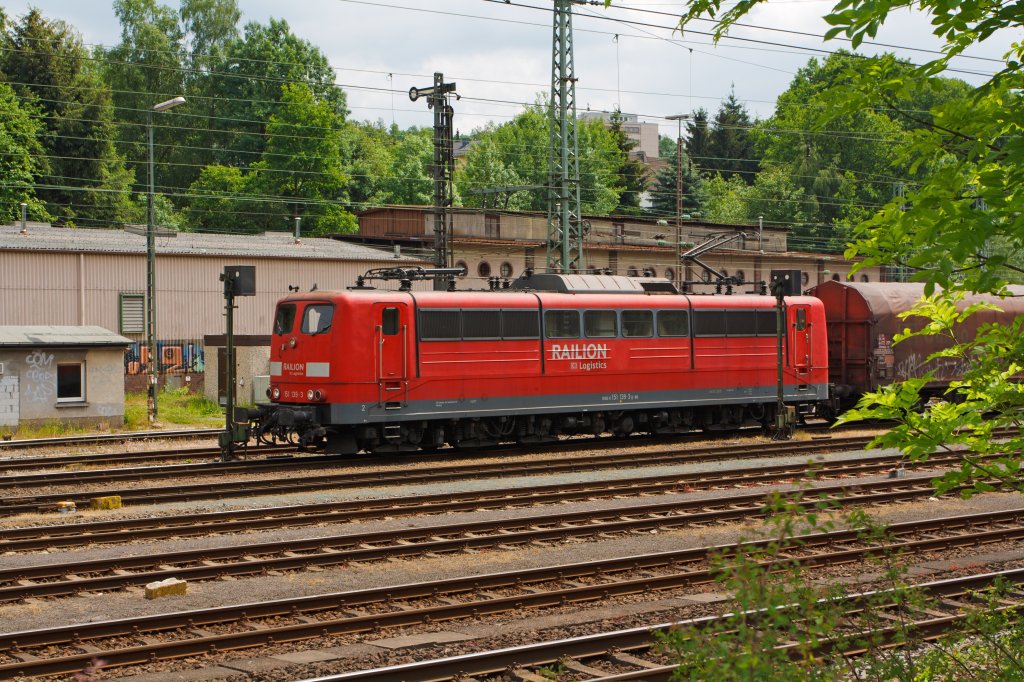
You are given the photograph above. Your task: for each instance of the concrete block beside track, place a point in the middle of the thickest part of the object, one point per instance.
(172, 587)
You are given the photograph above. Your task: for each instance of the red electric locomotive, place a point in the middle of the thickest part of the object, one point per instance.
(374, 370)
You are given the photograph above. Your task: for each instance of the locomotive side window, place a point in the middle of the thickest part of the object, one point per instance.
(317, 318)
(389, 321)
(709, 323)
(637, 323)
(599, 323)
(440, 325)
(562, 324)
(673, 323)
(766, 323)
(284, 320)
(520, 324)
(742, 322)
(481, 324)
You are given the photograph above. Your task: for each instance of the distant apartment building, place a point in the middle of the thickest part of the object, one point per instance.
(644, 134)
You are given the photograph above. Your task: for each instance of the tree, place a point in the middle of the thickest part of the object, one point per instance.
(698, 140)
(219, 201)
(730, 149)
(633, 174)
(663, 195)
(408, 180)
(247, 86)
(21, 157)
(301, 169)
(486, 180)
(47, 64)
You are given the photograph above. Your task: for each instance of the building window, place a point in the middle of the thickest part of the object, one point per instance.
(631, 271)
(619, 233)
(132, 313)
(835, 277)
(528, 259)
(804, 278)
(465, 268)
(670, 274)
(740, 276)
(70, 382)
(484, 269)
(864, 278)
(613, 262)
(506, 269)
(492, 226)
(650, 272)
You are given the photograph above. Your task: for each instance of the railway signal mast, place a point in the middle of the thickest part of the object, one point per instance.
(565, 227)
(443, 169)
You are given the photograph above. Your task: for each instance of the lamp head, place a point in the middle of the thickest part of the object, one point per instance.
(169, 104)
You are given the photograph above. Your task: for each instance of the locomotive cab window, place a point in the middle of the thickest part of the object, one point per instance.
(801, 319)
(389, 321)
(562, 324)
(317, 318)
(599, 324)
(673, 323)
(637, 323)
(284, 320)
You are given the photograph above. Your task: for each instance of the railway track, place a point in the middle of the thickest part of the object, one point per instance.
(235, 521)
(73, 577)
(400, 474)
(592, 444)
(631, 654)
(28, 443)
(145, 639)
(9, 464)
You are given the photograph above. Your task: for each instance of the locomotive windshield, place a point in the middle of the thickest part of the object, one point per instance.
(284, 320)
(317, 318)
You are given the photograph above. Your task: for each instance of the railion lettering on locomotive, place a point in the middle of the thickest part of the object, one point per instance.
(294, 367)
(579, 351)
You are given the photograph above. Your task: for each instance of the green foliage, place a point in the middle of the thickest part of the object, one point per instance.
(633, 174)
(730, 148)
(21, 160)
(520, 150)
(663, 197)
(485, 170)
(175, 406)
(87, 182)
(301, 168)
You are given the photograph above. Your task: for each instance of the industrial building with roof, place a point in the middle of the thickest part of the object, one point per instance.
(68, 276)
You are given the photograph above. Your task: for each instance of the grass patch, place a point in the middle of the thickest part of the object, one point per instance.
(177, 406)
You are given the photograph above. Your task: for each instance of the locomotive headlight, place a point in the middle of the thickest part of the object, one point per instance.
(276, 393)
(318, 395)
(292, 342)
(309, 394)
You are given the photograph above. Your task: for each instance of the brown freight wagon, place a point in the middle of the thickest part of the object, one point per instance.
(863, 318)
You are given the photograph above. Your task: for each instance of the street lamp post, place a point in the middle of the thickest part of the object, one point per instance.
(151, 262)
(679, 118)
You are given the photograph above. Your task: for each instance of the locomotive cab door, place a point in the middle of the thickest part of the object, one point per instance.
(800, 324)
(391, 337)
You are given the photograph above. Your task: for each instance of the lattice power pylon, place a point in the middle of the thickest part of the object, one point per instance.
(565, 228)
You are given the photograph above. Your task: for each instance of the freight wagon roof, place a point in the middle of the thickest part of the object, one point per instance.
(892, 298)
(114, 241)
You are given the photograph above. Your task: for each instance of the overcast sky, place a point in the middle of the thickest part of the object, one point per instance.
(499, 54)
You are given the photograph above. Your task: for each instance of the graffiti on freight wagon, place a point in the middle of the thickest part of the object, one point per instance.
(175, 357)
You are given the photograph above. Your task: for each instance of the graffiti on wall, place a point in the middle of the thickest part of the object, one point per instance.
(175, 357)
(40, 379)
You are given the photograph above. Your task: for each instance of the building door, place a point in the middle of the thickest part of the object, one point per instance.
(392, 339)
